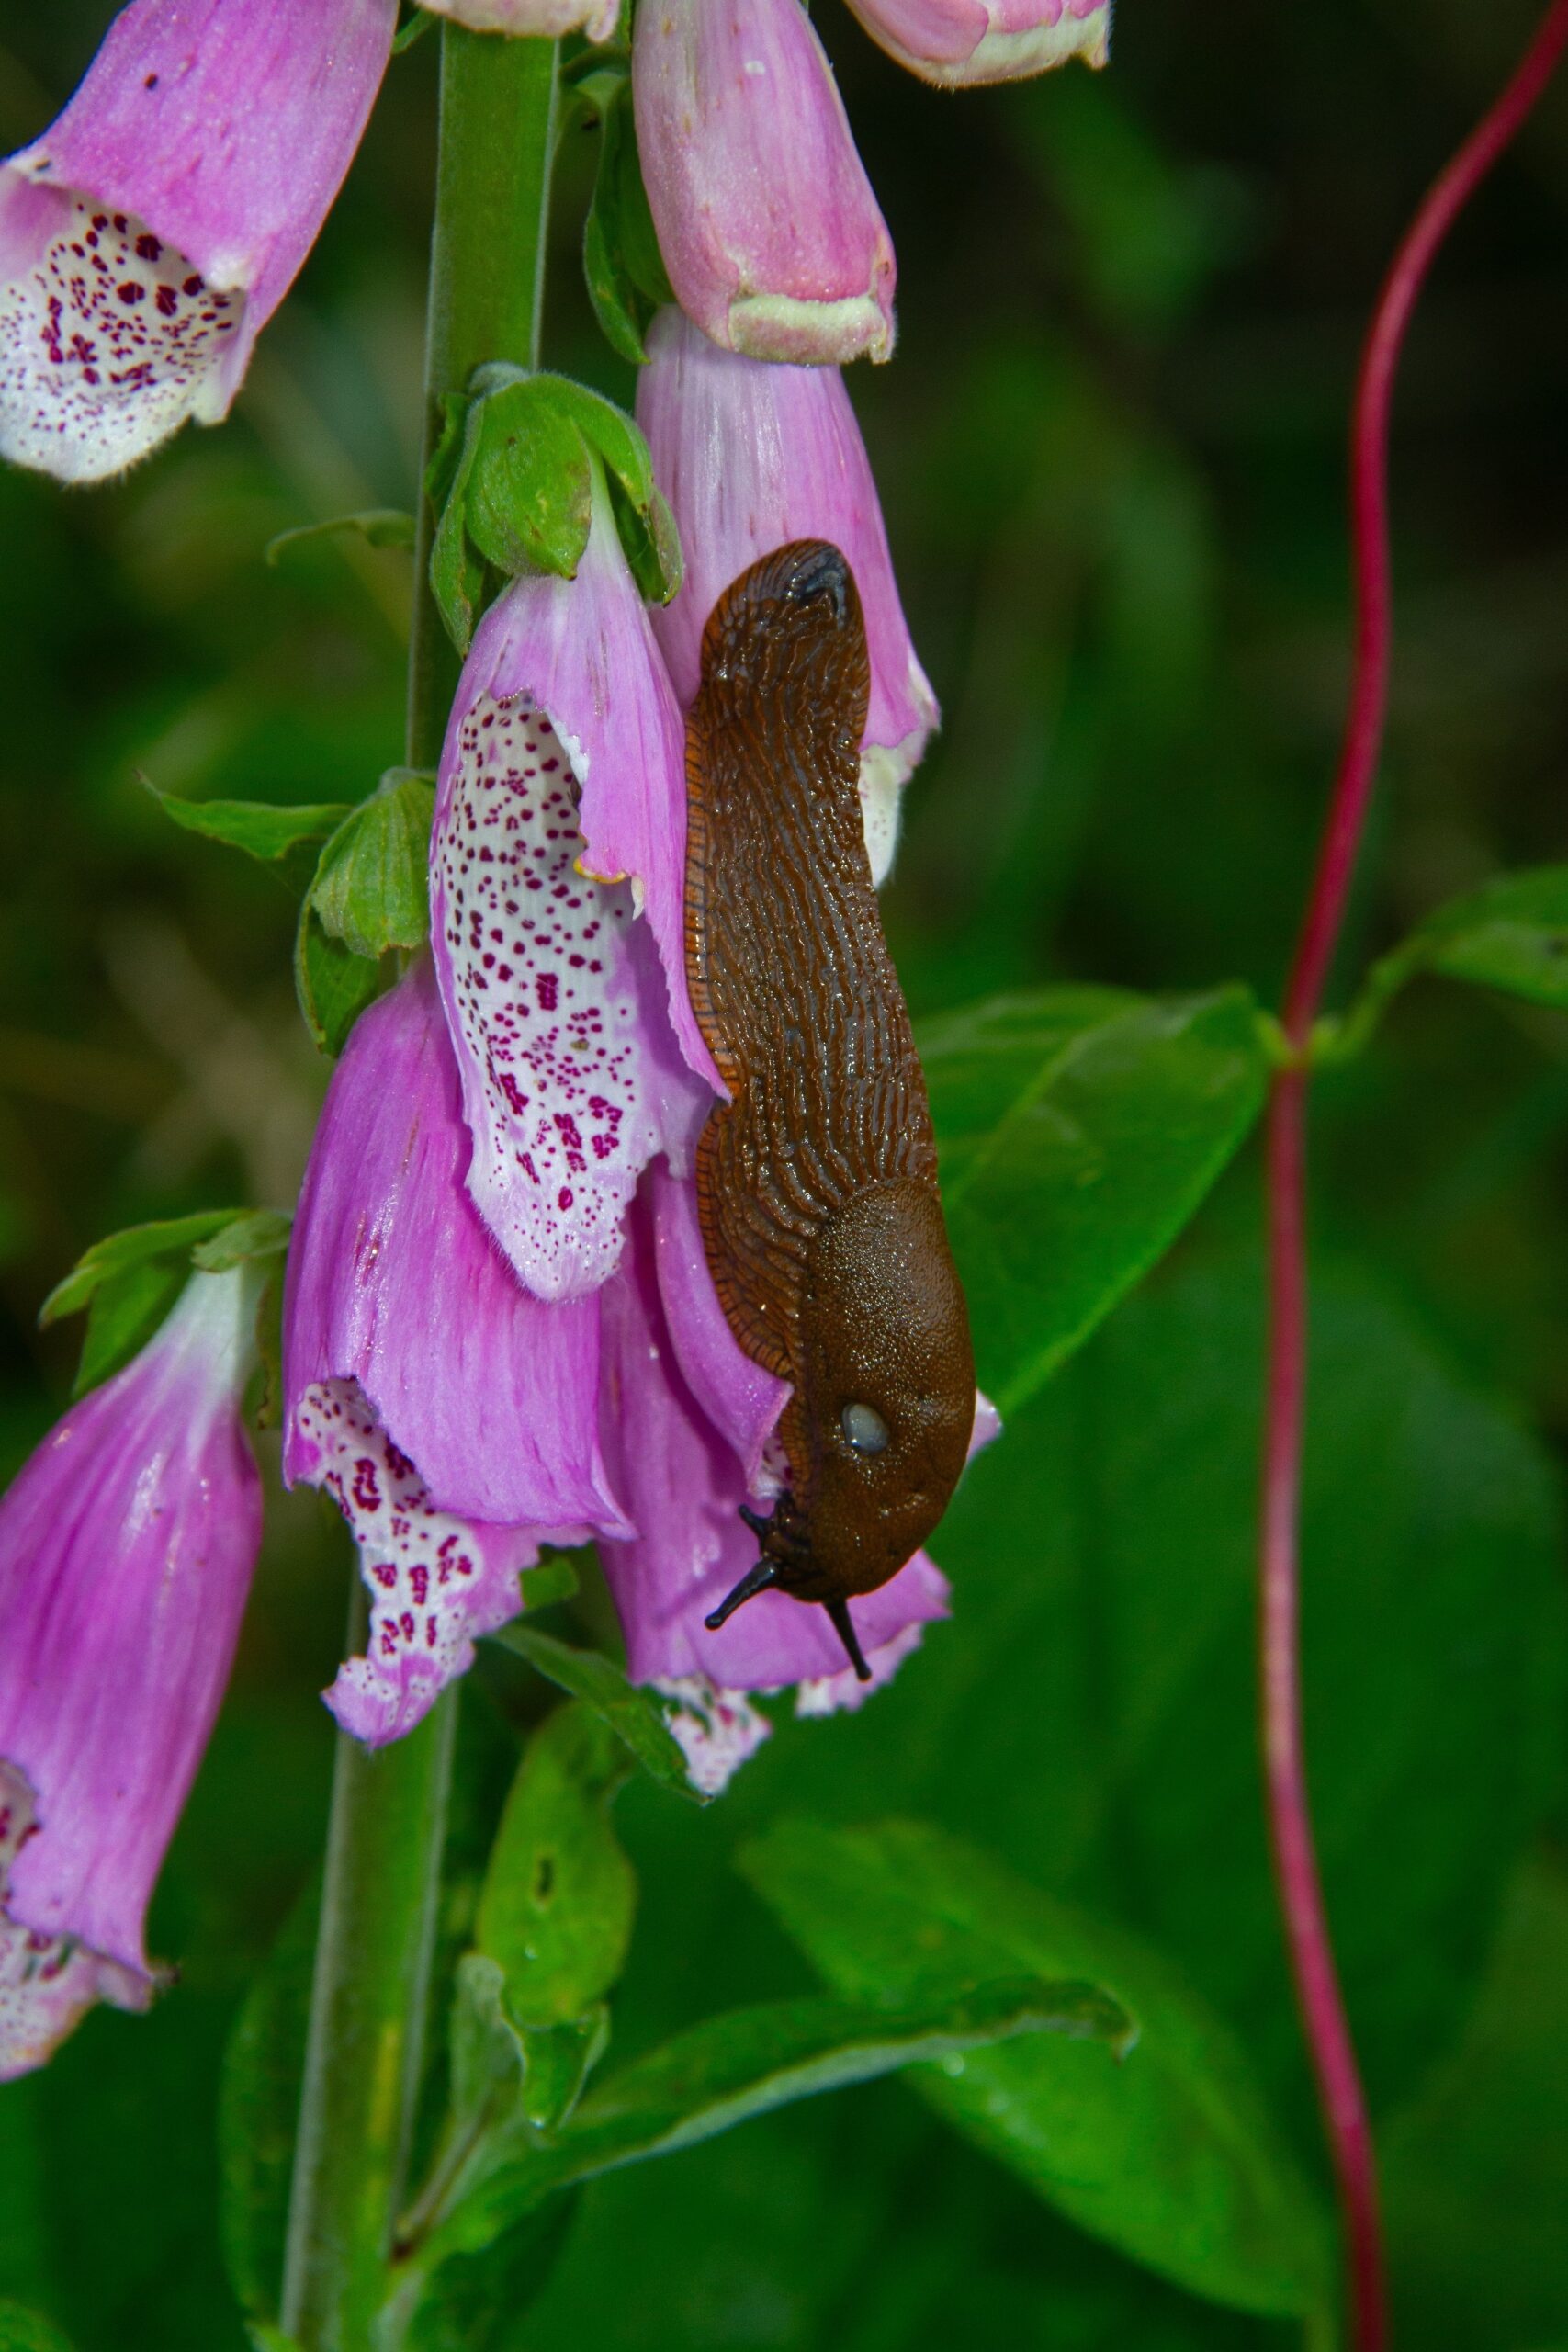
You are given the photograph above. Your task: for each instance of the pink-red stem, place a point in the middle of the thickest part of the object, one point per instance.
(1290, 1823)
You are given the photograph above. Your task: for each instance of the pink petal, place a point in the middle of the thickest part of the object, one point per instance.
(740, 1401)
(548, 18)
(576, 1050)
(153, 228)
(766, 219)
(126, 1547)
(395, 1283)
(751, 456)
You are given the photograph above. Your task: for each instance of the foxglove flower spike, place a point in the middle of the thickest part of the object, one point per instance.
(152, 232)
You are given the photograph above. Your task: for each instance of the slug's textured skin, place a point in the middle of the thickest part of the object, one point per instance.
(817, 1180)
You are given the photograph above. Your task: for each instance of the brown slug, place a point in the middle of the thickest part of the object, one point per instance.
(816, 1183)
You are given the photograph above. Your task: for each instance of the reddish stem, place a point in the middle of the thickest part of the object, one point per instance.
(1289, 1824)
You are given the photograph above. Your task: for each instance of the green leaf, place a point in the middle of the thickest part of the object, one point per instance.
(560, 1896)
(332, 983)
(24, 2331)
(371, 889)
(259, 1233)
(746, 2063)
(530, 493)
(1171, 2157)
(486, 2047)
(457, 572)
(1511, 934)
(382, 526)
(635, 1717)
(643, 518)
(558, 2062)
(552, 1580)
(423, 20)
(479, 2303)
(258, 2112)
(1476, 2173)
(263, 829)
(1080, 1130)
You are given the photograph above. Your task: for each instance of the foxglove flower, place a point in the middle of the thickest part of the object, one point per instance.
(451, 1414)
(126, 1548)
(151, 232)
(550, 18)
(953, 42)
(556, 883)
(751, 456)
(766, 219)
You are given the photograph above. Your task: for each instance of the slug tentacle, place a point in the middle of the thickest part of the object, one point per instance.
(817, 1180)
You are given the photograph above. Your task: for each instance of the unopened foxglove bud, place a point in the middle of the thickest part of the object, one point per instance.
(766, 220)
(549, 18)
(956, 42)
(157, 224)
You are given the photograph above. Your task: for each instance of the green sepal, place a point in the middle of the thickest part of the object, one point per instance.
(635, 1717)
(371, 889)
(129, 1281)
(380, 526)
(552, 1580)
(511, 484)
(622, 265)
(334, 985)
(265, 830)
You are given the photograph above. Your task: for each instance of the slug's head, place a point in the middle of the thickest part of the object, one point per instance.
(790, 632)
(879, 1429)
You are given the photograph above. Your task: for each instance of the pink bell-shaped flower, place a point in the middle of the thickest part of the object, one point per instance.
(151, 232)
(956, 42)
(451, 1414)
(752, 456)
(556, 881)
(766, 220)
(127, 1543)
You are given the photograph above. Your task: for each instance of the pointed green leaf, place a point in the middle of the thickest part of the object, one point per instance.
(558, 2062)
(382, 526)
(371, 889)
(560, 1896)
(1171, 2157)
(647, 525)
(1080, 1130)
(172, 1238)
(635, 1717)
(261, 828)
(1511, 934)
(457, 572)
(128, 1282)
(746, 2063)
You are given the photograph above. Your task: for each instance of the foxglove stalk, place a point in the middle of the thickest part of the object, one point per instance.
(451, 1414)
(127, 1543)
(766, 220)
(548, 18)
(556, 881)
(954, 42)
(752, 456)
(151, 232)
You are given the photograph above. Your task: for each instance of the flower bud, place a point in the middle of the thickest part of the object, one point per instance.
(157, 224)
(956, 42)
(766, 220)
(548, 18)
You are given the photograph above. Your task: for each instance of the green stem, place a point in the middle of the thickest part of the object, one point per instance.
(389, 1813)
(486, 283)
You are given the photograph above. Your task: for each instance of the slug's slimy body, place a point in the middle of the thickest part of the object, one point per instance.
(817, 1180)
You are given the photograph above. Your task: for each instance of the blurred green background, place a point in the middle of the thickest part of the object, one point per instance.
(1110, 453)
